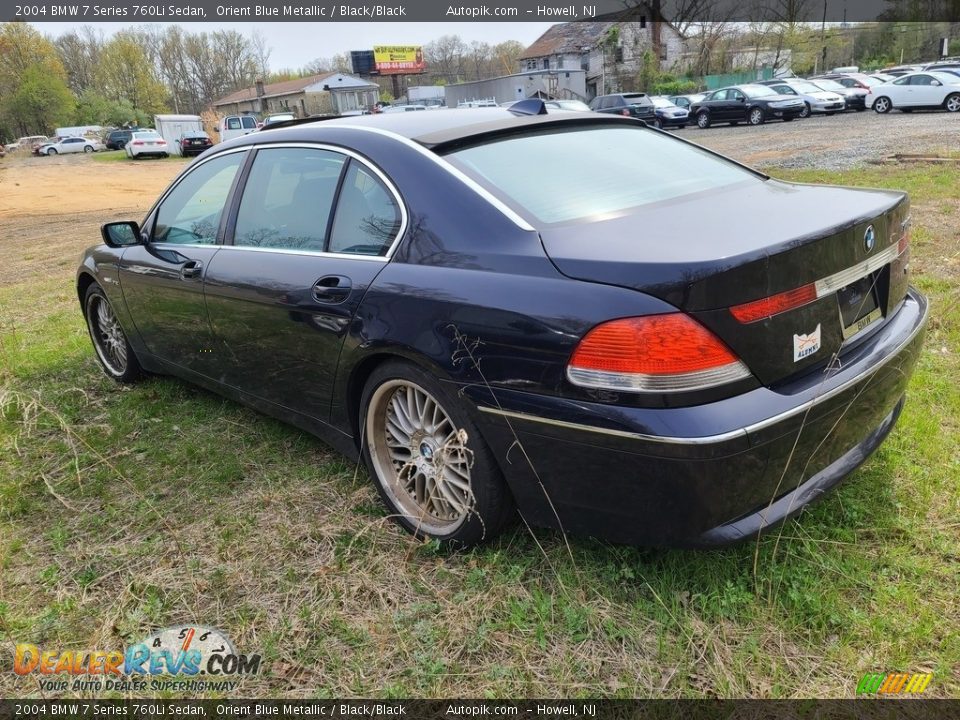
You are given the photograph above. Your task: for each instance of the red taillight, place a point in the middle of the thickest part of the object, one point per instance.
(904, 241)
(625, 112)
(138, 142)
(658, 353)
(775, 304)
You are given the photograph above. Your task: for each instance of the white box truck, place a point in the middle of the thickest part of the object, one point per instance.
(172, 127)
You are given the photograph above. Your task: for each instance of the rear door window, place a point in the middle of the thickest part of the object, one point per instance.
(287, 199)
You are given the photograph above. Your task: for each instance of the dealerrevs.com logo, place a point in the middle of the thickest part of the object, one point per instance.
(894, 683)
(184, 657)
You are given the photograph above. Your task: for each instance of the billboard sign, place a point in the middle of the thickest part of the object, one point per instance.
(399, 59)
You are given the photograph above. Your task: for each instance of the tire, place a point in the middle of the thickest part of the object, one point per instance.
(756, 117)
(52, 151)
(805, 113)
(88, 149)
(681, 127)
(164, 156)
(952, 103)
(110, 343)
(403, 455)
(703, 120)
(882, 105)
(658, 123)
(788, 119)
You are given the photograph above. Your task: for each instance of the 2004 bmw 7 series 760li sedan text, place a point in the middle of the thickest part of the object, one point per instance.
(497, 313)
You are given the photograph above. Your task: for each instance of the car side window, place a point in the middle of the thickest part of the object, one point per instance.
(191, 213)
(287, 199)
(735, 95)
(248, 122)
(921, 80)
(367, 218)
(720, 95)
(901, 81)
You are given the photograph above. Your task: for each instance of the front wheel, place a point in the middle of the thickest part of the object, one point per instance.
(882, 105)
(952, 103)
(805, 113)
(756, 117)
(109, 341)
(434, 472)
(52, 151)
(703, 120)
(658, 123)
(88, 148)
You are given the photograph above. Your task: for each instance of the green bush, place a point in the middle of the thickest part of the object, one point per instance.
(672, 87)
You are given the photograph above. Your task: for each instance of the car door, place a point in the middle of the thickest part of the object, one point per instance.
(899, 92)
(314, 226)
(926, 90)
(72, 145)
(162, 280)
(737, 104)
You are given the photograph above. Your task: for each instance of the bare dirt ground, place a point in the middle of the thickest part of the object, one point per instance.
(55, 206)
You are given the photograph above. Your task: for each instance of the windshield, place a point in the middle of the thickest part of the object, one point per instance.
(636, 99)
(596, 172)
(830, 85)
(805, 87)
(661, 102)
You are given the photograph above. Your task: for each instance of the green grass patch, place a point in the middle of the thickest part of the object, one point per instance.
(123, 510)
(109, 156)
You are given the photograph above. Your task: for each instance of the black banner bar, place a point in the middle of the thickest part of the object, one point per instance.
(862, 709)
(187, 11)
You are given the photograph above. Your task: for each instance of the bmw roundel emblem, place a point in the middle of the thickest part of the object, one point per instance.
(869, 238)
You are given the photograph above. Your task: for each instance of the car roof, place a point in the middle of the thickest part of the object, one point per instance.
(447, 126)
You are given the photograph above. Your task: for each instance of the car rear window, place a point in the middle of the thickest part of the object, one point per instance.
(596, 172)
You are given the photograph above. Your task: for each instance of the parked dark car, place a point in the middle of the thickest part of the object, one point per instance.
(194, 143)
(668, 114)
(753, 104)
(118, 139)
(432, 293)
(638, 105)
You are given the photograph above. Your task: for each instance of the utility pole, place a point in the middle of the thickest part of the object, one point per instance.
(823, 38)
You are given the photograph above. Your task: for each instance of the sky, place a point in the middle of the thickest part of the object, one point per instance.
(295, 44)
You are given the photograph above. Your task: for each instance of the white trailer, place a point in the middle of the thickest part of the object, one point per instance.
(172, 127)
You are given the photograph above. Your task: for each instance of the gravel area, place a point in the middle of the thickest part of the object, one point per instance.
(837, 142)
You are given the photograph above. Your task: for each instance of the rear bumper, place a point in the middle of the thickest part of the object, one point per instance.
(706, 475)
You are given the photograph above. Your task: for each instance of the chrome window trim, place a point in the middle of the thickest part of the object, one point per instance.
(832, 283)
(398, 198)
(732, 434)
(496, 202)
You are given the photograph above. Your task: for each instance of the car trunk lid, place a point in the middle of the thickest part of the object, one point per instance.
(735, 246)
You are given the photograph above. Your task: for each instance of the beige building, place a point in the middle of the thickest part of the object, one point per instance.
(329, 93)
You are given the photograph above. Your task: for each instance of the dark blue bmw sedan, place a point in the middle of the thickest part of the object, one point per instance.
(498, 315)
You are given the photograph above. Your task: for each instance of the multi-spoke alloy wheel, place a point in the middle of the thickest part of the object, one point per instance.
(431, 466)
(421, 454)
(110, 343)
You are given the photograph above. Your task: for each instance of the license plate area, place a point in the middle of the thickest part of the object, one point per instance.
(859, 305)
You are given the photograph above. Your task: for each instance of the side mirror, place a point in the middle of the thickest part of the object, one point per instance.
(936, 82)
(741, 99)
(121, 234)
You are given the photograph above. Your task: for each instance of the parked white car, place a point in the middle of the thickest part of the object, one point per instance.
(234, 126)
(147, 142)
(816, 99)
(917, 90)
(28, 142)
(75, 145)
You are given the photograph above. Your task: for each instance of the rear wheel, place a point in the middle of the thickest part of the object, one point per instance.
(703, 120)
(882, 105)
(431, 467)
(952, 103)
(109, 341)
(756, 116)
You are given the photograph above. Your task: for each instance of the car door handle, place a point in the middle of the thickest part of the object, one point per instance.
(332, 289)
(191, 269)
